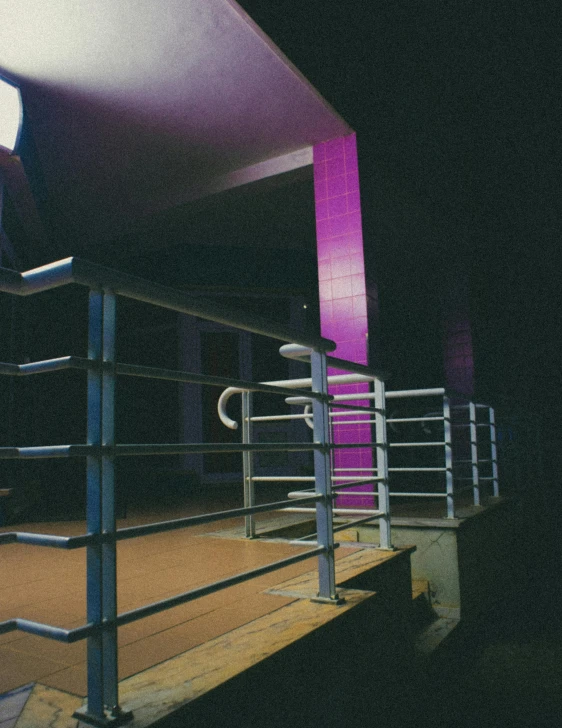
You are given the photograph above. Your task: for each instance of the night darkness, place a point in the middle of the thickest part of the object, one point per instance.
(458, 115)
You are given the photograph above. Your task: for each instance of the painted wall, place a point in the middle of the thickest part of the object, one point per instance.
(342, 286)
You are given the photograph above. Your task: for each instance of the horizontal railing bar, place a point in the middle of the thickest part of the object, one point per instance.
(419, 495)
(135, 370)
(275, 418)
(344, 445)
(355, 492)
(416, 444)
(480, 477)
(362, 481)
(305, 400)
(357, 511)
(414, 419)
(354, 409)
(156, 607)
(353, 422)
(46, 451)
(46, 630)
(418, 470)
(184, 448)
(357, 522)
(97, 277)
(283, 478)
(48, 365)
(350, 366)
(291, 351)
(162, 526)
(407, 393)
(48, 540)
(296, 494)
(361, 470)
(356, 395)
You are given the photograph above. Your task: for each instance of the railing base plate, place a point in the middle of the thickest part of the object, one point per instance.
(114, 718)
(329, 600)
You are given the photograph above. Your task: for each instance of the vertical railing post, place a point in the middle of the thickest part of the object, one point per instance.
(494, 453)
(102, 705)
(448, 440)
(323, 481)
(95, 707)
(382, 464)
(474, 453)
(248, 462)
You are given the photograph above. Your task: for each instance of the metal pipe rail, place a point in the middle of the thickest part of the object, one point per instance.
(358, 373)
(97, 277)
(450, 411)
(101, 450)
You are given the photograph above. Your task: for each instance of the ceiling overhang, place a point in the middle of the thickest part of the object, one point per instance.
(137, 106)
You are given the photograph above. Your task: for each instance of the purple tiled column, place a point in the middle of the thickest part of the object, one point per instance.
(341, 277)
(458, 357)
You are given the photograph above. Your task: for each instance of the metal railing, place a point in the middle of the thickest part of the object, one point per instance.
(342, 407)
(458, 455)
(101, 449)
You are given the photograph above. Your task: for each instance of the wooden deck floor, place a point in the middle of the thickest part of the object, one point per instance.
(48, 585)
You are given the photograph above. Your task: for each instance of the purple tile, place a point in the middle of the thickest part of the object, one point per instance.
(355, 242)
(323, 249)
(354, 221)
(352, 181)
(339, 247)
(340, 225)
(337, 205)
(334, 147)
(351, 164)
(318, 153)
(357, 264)
(320, 170)
(358, 285)
(341, 287)
(360, 312)
(336, 186)
(340, 266)
(324, 270)
(325, 290)
(323, 229)
(321, 209)
(335, 167)
(353, 202)
(342, 308)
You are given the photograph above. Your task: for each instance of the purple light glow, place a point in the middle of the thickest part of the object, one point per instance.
(341, 276)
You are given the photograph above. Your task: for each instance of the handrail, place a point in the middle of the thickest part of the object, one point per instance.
(288, 384)
(302, 353)
(101, 451)
(98, 277)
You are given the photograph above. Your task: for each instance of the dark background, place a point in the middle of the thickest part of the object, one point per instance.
(457, 111)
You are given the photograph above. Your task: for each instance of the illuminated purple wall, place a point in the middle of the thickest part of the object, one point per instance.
(341, 277)
(457, 336)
